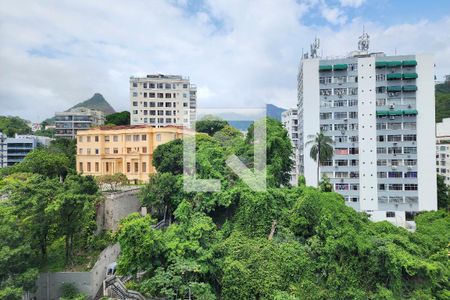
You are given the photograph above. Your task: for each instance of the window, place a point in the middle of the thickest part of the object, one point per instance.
(325, 92)
(340, 79)
(353, 91)
(410, 174)
(410, 187)
(115, 138)
(390, 214)
(395, 150)
(382, 174)
(80, 151)
(80, 167)
(326, 127)
(106, 150)
(341, 174)
(381, 102)
(145, 95)
(151, 85)
(325, 80)
(168, 95)
(410, 150)
(409, 137)
(88, 138)
(353, 150)
(380, 77)
(381, 138)
(340, 138)
(381, 162)
(135, 94)
(80, 139)
(88, 166)
(340, 115)
(144, 149)
(395, 174)
(160, 85)
(96, 138)
(341, 151)
(410, 162)
(352, 102)
(381, 150)
(135, 84)
(128, 167)
(136, 167)
(168, 86)
(394, 126)
(340, 91)
(145, 85)
(381, 126)
(325, 116)
(340, 103)
(128, 138)
(409, 125)
(88, 150)
(353, 115)
(107, 138)
(97, 167)
(96, 151)
(115, 150)
(396, 162)
(381, 90)
(158, 137)
(341, 187)
(136, 138)
(160, 95)
(395, 186)
(394, 138)
(128, 150)
(144, 167)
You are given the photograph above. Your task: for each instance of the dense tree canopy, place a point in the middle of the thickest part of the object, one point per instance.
(210, 125)
(283, 243)
(120, 118)
(13, 125)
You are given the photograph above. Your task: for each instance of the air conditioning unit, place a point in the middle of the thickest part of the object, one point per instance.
(410, 167)
(392, 106)
(409, 106)
(394, 167)
(342, 179)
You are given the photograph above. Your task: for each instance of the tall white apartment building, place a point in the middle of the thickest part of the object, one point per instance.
(289, 119)
(379, 111)
(443, 149)
(68, 123)
(161, 100)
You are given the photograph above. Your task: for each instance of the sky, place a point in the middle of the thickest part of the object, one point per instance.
(239, 53)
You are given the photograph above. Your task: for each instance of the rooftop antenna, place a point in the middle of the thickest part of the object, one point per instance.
(363, 43)
(315, 47)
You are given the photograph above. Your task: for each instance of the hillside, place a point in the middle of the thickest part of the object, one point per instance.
(97, 102)
(442, 101)
(274, 111)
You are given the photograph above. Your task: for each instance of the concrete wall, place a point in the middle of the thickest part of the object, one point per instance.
(117, 206)
(49, 284)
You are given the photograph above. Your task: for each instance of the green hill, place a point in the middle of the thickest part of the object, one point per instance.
(442, 101)
(97, 102)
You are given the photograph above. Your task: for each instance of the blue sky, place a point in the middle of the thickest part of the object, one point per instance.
(238, 52)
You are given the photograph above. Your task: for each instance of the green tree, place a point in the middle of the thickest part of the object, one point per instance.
(75, 209)
(118, 119)
(13, 125)
(168, 157)
(44, 162)
(443, 193)
(18, 270)
(68, 147)
(163, 192)
(112, 182)
(321, 150)
(325, 184)
(210, 125)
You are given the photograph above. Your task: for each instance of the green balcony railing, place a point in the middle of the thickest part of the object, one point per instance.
(394, 76)
(393, 64)
(339, 67)
(394, 88)
(410, 88)
(325, 68)
(410, 112)
(410, 75)
(409, 63)
(380, 64)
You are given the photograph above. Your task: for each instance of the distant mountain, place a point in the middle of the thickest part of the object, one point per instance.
(274, 111)
(97, 102)
(442, 101)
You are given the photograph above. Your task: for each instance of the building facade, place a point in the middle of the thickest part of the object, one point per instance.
(379, 111)
(13, 150)
(161, 100)
(289, 119)
(122, 149)
(68, 123)
(443, 149)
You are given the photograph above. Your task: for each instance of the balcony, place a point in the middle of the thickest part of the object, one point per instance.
(394, 88)
(340, 67)
(394, 76)
(409, 63)
(380, 64)
(410, 88)
(410, 75)
(323, 68)
(393, 64)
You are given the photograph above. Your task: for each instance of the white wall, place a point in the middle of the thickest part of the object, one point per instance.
(426, 141)
(368, 195)
(311, 105)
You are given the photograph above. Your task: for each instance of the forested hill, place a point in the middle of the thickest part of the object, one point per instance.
(442, 101)
(97, 101)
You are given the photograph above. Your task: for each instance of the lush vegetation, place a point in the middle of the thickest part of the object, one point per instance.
(443, 193)
(442, 101)
(47, 218)
(120, 118)
(285, 243)
(11, 126)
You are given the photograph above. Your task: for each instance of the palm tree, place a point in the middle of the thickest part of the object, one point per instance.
(321, 149)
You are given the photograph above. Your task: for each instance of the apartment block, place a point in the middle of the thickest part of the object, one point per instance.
(443, 149)
(68, 123)
(161, 100)
(379, 111)
(289, 119)
(13, 150)
(122, 149)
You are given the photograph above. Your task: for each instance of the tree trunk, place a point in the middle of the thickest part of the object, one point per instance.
(272, 230)
(318, 165)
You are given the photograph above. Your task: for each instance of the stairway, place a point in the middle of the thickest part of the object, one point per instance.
(116, 285)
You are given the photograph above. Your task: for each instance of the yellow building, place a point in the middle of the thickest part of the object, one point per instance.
(122, 149)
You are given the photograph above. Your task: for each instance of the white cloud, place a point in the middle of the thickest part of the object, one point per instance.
(352, 3)
(239, 53)
(333, 15)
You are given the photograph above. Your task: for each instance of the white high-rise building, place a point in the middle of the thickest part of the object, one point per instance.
(289, 119)
(443, 149)
(161, 100)
(379, 111)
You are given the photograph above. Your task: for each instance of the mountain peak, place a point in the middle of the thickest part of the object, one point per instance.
(98, 102)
